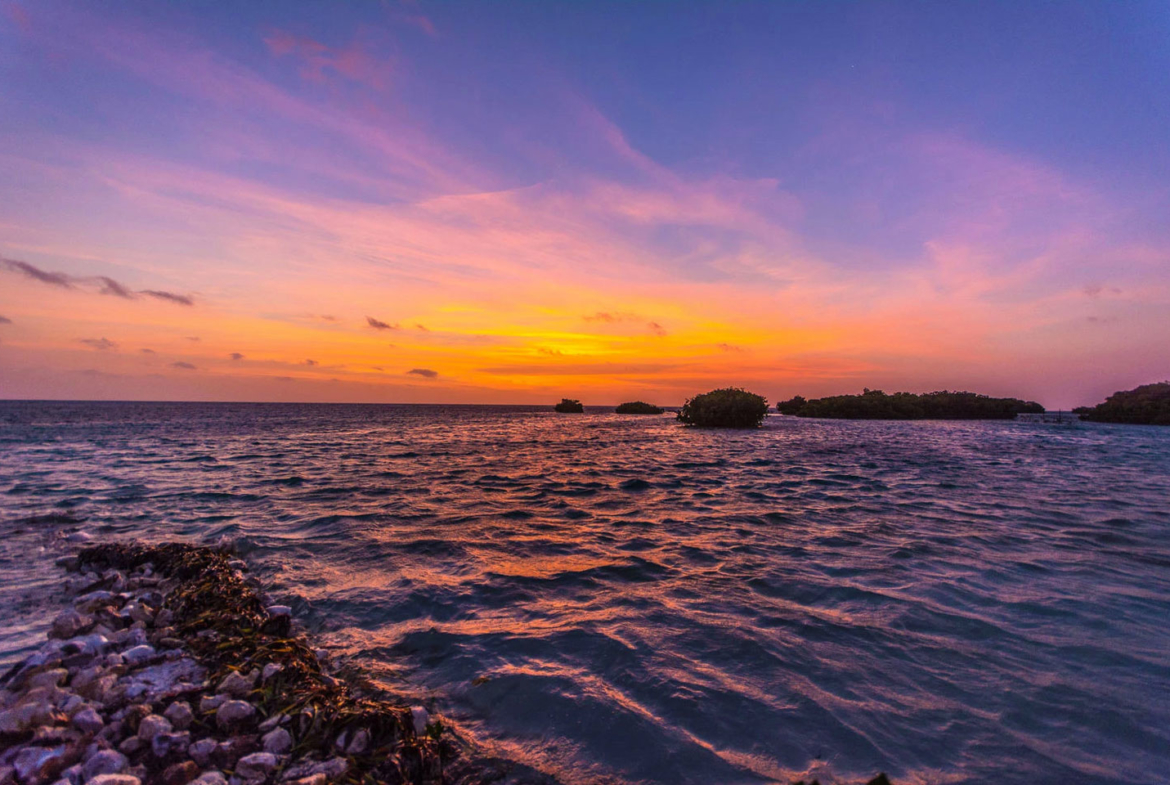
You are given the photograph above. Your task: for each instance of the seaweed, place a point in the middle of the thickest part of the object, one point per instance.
(222, 619)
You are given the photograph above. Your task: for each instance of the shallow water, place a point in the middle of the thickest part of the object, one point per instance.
(619, 599)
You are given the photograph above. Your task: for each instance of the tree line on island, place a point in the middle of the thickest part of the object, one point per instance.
(733, 407)
(1148, 404)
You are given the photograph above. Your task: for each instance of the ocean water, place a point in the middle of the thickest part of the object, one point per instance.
(620, 599)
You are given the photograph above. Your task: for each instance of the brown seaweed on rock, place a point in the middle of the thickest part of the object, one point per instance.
(223, 621)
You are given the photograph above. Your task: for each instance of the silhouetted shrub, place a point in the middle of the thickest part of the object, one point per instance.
(1145, 405)
(792, 405)
(639, 407)
(569, 406)
(877, 405)
(730, 407)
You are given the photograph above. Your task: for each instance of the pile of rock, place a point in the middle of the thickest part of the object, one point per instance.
(168, 669)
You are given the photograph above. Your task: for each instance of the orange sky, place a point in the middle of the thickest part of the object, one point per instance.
(338, 241)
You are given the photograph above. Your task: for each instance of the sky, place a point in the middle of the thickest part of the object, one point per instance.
(512, 202)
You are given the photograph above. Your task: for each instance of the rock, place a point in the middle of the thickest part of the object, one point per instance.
(139, 654)
(27, 715)
(152, 725)
(210, 778)
(114, 779)
(79, 537)
(202, 750)
(270, 670)
(68, 563)
(165, 744)
(33, 763)
(72, 775)
(131, 745)
(88, 603)
(94, 643)
(331, 769)
(279, 610)
(314, 779)
(256, 766)
(164, 618)
(271, 722)
(139, 612)
(359, 743)
(235, 748)
(69, 624)
(235, 684)
(180, 715)
(278, 742)
(72, 705)
(420, 719)
(180, 773)
(88, 720)
(168, 679)
(103, 762)
(234, 713)
(50, 678)
(212, 702)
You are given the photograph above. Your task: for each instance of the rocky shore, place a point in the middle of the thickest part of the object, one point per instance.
(169, 668)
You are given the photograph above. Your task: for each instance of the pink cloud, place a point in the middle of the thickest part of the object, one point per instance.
(352, 61)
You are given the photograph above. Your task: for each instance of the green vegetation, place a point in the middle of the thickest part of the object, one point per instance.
(1145, 405)
(569, 406)
(730, 407)
(639, 407)
(877, 405)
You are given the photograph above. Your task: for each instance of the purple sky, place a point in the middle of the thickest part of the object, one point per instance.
(608, 200)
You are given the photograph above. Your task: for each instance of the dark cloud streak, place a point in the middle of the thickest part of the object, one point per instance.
(105, 284)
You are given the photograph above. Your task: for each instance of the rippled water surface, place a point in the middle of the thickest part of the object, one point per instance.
(620, 599)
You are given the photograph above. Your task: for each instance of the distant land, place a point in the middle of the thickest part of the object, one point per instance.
(877, 405)
(1148, 404)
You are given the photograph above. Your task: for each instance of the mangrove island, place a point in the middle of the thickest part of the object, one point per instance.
(1148, 404)
(730, 407)
(569, 406)
(638, 407)
(941, 405)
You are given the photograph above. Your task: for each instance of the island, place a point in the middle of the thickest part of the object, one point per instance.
(1148, 404)
(638, 407)
(730, 407)
(569, 406)
(941, 405)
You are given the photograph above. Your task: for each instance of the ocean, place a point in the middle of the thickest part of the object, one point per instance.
(620, 599)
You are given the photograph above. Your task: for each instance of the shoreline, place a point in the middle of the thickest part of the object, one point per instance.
(168, 667)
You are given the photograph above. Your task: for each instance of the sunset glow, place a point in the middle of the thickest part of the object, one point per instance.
(507, 204)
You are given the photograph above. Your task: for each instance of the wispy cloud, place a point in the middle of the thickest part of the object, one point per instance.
(5, 320)
(179, 299)
(378, 324)
(103, 283)
(100, 344)
(147, 351)
(426, 373)
(310, 363)
(183, 366)
(236, 356)
(37, 274)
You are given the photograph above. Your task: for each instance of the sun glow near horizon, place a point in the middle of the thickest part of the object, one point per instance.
(240, 205)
